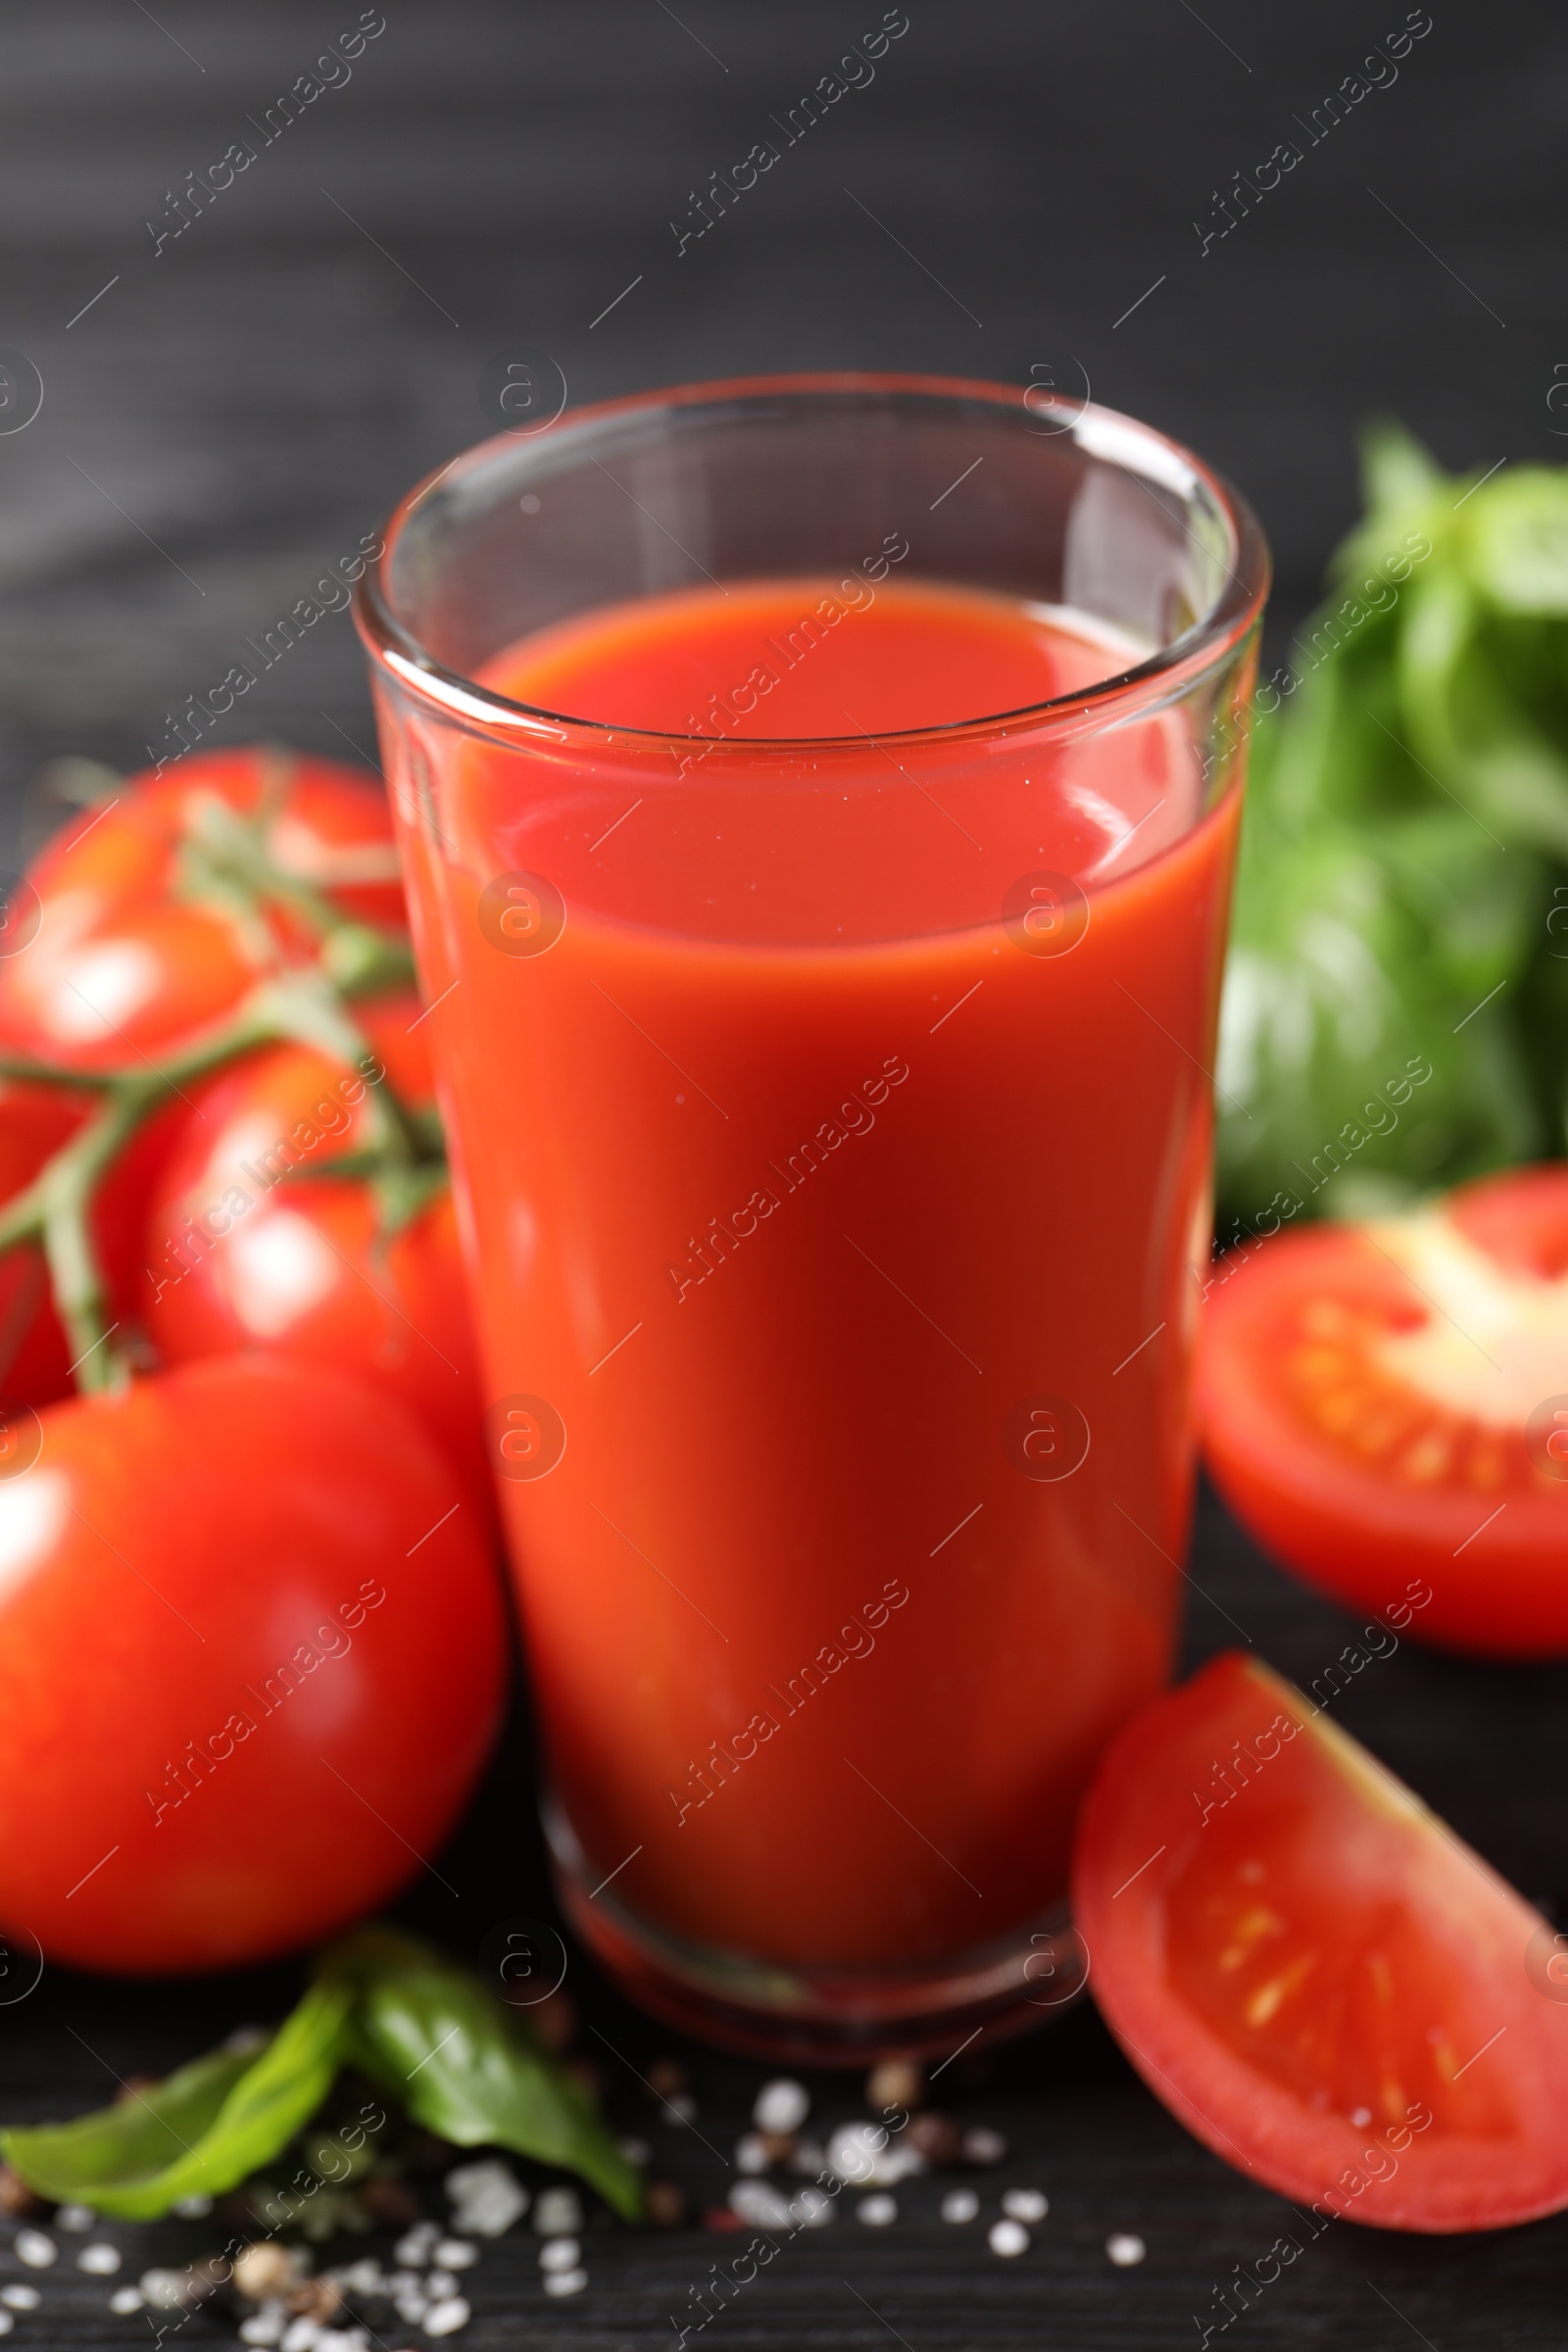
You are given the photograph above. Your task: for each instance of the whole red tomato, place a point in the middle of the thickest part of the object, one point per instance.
(112, 958)
(252, 1657)
(250, 1243)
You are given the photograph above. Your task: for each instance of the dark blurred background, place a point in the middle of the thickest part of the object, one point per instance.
(1014, 192)
(240, 406)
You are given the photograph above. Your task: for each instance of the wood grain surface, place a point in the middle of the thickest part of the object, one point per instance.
(225, 414)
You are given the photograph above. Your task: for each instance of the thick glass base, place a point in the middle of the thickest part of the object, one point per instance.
(806, 2016)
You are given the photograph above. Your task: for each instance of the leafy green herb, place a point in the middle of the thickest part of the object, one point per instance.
(1405, 857)
(462, 2064)
(200, 2132)
(427, 2032)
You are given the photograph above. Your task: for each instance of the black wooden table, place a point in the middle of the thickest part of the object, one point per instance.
(236, 384)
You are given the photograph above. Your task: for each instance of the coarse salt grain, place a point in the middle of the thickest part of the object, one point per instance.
(636, 2151)
(751, 2153)
(959, 2205)
(36, 2249)
(266, 2327)
(447, 2317)
(1009, 2238)
(74, 2218)
(300, 2335)
(560, 2254)
(1025, 2204)
(876, 2212)
(867, 2155)
(165, 2290)
(812, 2208)
(1125, 2249)
(761, 2204)
(680, 2106)
(363, 2277)
(487, 2197)
(455, 2253)
(565, 2282)
(415, 2244)
(127, 2299)
(20, 2298)
(782, 2106)
(439, 2284)
(101, 2259)
(981, 2146)
(192, 2208)
(558, 2213)
(7, 2322)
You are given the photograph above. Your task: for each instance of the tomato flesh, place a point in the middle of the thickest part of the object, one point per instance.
(216, 1743)
(1325, 1985)
(1379, 1407)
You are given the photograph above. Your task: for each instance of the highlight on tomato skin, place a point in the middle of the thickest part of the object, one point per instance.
(1316, 1976)
(127, 960)
(1390, 1400)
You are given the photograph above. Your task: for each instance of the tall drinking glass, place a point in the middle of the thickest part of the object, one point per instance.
(830, 1117)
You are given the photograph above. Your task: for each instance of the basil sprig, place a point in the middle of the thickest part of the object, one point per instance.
(1397, 1003)
(426, 2031)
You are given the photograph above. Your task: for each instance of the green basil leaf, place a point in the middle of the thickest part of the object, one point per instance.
(1515, 540)
(465, 2066)
(199, 2132)
(1358, 1059)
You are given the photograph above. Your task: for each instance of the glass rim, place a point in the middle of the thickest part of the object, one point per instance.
(1170, 670)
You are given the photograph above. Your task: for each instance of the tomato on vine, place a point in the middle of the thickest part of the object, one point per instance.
(303, 1211)
(145, 934)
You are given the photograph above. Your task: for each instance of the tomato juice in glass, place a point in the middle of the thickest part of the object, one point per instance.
(819, 868)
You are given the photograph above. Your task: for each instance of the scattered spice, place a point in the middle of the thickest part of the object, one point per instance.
(390, 2204)
(896, 2082)
(665, 2204)
(265, 2270)
(935, 2135)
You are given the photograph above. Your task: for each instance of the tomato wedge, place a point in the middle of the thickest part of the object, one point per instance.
(1313, 1973)
(1387, 1404)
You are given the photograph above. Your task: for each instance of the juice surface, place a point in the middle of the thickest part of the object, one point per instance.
(840, 1201)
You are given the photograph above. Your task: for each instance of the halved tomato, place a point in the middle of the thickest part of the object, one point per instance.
(1313, 1973)
(1386, 1407)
